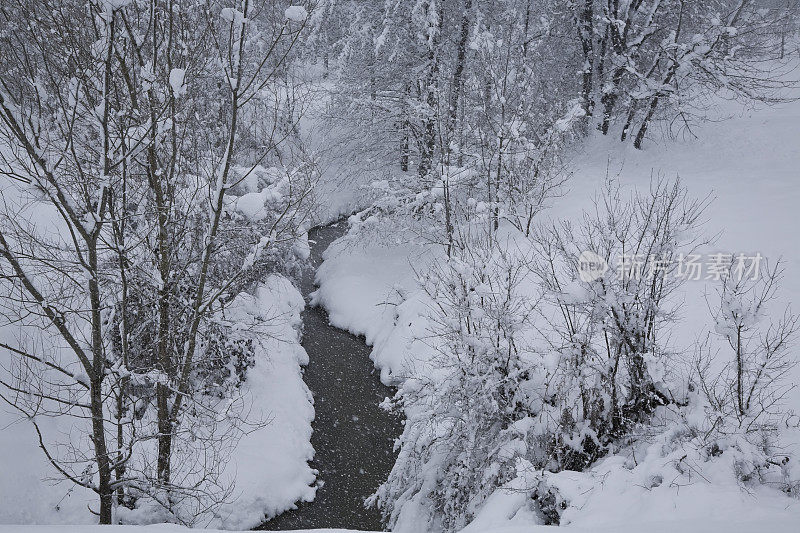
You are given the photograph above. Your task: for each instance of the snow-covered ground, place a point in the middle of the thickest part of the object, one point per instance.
(747, 163)
(673, 526)
(270, 465)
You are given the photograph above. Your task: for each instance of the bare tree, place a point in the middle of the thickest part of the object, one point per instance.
(103, 114)
(752, 383)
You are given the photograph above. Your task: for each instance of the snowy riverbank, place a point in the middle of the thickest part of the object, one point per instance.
(269, 465)
(746, 163)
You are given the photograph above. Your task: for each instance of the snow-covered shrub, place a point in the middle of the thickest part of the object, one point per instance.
(459, 442)
(679, 448)
(751, 384)
(225, 362)
(267, 219)
(742, 384)
(725, 419)
(610, 368)
(548, 377)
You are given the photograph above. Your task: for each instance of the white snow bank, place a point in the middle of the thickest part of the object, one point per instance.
(370, 290)
(25, 496)
(668, 526)
(271, 465)
(154, 528)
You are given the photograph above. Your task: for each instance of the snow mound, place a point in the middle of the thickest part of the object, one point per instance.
(271, 464)
(296, 13)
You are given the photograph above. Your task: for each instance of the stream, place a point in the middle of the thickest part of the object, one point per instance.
(353, 437)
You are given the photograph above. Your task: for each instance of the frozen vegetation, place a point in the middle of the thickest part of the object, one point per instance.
(568, 244)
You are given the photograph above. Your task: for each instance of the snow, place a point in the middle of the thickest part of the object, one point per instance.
(575, 112)
(749, 525)
(113, 5)
(234, 16)
(270, 465)
(24, 497)
(265, 190)
(370, 290)
(251, 205)
(177, 82)
(155, 528)
(30, 491)
(747, 161)
(296, 13)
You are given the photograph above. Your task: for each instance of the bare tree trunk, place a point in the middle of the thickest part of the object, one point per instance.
(105, 490)
(405, 132)
(164, 356)
(586, 35)
(428, 143)
(458, 72)
(448, 217)
(118, 222)
(609, 99)
(651, 111)
(739, 373)
(629, 120)
(404, 148)
(498, 177)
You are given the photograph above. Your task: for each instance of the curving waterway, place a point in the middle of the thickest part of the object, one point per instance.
(353, 437)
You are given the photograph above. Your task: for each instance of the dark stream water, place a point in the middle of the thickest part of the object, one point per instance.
(353, 437)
